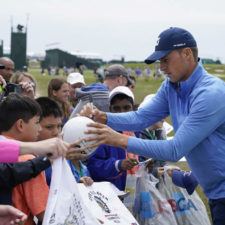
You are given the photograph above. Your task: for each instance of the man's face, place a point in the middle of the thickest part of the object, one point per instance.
(73, 89)
(120, 106)
(50, 127)
(7, 72)
(175, 65)
(32, 129)
(115, 82)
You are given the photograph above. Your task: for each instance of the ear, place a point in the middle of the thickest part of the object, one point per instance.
(187, 52)
(120, 80)
(19, 125)
(54, 93)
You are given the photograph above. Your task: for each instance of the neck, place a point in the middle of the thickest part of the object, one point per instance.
(191, 69)
(12, 134)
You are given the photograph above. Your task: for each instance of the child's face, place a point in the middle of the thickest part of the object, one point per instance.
(32, 129)
(120, 106)
(50, 127)
(62, 94)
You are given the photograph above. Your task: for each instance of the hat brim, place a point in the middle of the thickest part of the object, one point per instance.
(156, 56)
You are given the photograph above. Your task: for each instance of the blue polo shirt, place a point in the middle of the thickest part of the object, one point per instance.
(197, 110)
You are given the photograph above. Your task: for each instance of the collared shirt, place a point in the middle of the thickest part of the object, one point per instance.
(197, 110)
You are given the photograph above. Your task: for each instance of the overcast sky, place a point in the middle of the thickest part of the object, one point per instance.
(115, 28)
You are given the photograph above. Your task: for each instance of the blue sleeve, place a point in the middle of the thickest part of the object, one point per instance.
(101, 163)
(151, 113)
(205, 116)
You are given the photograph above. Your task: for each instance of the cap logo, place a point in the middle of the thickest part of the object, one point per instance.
(179, 45)
(157, 42)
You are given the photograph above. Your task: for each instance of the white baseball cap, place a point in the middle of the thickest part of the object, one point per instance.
(74, 78)
(121, 90)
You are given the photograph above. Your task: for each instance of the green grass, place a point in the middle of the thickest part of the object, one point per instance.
(143, 87)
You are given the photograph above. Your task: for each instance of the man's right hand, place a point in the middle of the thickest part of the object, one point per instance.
(128, 164)
(95, 114)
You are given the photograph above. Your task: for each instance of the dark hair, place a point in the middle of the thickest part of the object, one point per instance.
(195, 53)
(49, 107)
(16, 107)
(121, 97)
(132, 78)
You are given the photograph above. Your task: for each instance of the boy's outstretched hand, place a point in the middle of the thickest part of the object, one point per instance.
(87, 181)
(53, 147)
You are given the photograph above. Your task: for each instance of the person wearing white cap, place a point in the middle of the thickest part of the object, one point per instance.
(75, 80)
(110, 163)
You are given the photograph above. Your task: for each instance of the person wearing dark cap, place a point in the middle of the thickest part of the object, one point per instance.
(195, 100)
(116, 75)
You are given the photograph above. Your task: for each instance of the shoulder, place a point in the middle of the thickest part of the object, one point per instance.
(24, 158)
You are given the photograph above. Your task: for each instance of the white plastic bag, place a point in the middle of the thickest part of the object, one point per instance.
(105, 205)
(188, 209)
(151, 208)
(65, 206)
(131, 181)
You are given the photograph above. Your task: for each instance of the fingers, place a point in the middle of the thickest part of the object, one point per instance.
(76, 156)
(76, 152)
(27, 89)
(161, 171)
(96, 125)
(2, 81)
(76, 143)
(87, 181)
(86, 111)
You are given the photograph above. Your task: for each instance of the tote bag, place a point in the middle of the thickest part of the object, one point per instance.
(188, 209)
(150, 207)
(65, 205)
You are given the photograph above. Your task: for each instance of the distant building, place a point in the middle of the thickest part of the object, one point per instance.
(58, 58)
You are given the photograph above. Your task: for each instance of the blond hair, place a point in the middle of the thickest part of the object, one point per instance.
(18, 77)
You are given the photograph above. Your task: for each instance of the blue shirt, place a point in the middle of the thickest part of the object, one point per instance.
(76, 173)
(83, 172)
(197, 110)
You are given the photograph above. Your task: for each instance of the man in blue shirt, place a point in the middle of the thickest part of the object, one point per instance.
(195, 100)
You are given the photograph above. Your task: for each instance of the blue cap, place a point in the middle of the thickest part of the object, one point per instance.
(185, 179)
(169, 40)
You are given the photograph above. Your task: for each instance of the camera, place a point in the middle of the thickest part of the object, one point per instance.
(2, 67)
(11, 87)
